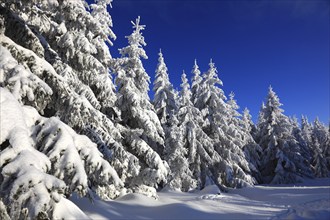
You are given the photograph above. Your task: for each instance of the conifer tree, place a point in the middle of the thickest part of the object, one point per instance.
(42, 159)
(142, 130)
(54, 59)
(176, 154)
(305, 149)
(252, 150)
(165, 102)
(193, 145)
(58, 72)
(232, 169)
(196, 82)
(281, 161)
(321, 137)
(306, 130)
(247, 122)
(133, 87)
(319, 162)
(259, 121)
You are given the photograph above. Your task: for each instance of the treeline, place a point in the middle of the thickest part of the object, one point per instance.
(208, 139)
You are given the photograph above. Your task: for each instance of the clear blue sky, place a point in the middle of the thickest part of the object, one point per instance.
(254, 44)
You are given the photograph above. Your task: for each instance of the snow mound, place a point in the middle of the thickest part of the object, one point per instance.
(135, 197)
(210, 197)
(168, 189)
(66, 209)
(211, 189)
(130, 196)
(210, 192)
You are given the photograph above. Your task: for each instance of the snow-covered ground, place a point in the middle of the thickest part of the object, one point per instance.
(307, 200)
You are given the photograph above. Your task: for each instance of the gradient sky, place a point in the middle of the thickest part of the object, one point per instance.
(254, 44)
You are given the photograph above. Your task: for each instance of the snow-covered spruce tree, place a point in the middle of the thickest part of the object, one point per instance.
(181, 177)
(164, 99)
(251, 149)
(233, 169)
(195, 82)
(281, 160)
(24, 178)
(63, 45)
(321, 137)
(42, 160)
(188, 143)
(319, 162)
(260, 120)
(247, 122)
(143, 133)
(306, 131)
(243, 137)
(318, 159)
(71, 39)
(305, 149)
(60, 65)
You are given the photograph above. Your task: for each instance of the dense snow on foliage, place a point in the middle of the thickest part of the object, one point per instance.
(42, 160)
(77, 121)
(165, 100)
(283, 161)
(220, 123)
(145, 135)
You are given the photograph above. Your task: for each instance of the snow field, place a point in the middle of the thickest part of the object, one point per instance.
(308, 200)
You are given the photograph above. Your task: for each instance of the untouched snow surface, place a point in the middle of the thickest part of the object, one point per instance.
(308, 200)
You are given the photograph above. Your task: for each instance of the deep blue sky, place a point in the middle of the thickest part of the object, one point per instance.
(254, 44)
